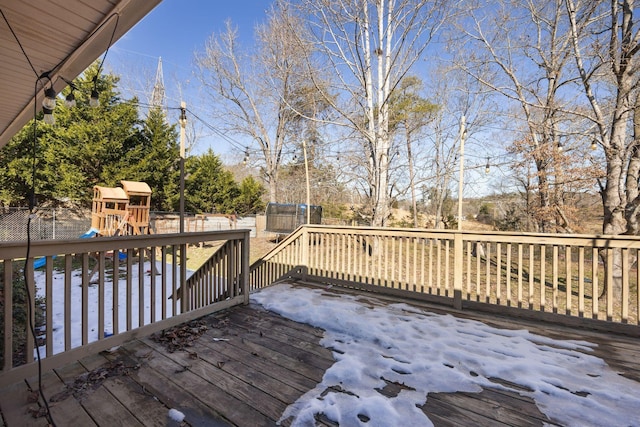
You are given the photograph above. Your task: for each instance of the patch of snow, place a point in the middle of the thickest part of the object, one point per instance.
(176, 415)
(433, 353)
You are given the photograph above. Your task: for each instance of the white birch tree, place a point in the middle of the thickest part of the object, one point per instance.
(367, 47)
(606, 41)
(605, 47)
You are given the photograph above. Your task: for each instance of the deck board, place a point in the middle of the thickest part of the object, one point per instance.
(68, 411)
(249, 365)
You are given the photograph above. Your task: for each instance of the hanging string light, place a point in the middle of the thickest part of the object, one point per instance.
(70, 100)
(487, 168)
(49, 101)
(246, 156)
(48, 117)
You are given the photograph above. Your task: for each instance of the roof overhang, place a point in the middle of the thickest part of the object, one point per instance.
(59, 37)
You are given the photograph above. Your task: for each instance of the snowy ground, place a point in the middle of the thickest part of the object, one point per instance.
(58, 304)
(433, 353)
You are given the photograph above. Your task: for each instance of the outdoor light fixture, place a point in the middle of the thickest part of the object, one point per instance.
(70, 100)
(48, 116)
(183, 117)
(49, 101)
(94, 101)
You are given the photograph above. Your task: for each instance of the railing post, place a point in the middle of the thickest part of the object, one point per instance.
(457, 270)
(305, 252)
(185, 300)
(245, 268)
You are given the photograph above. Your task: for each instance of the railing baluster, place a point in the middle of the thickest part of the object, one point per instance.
(520, 273)
(609, 283)
(625, 286)
(416, 261)
(595, 295)
(101, 302)
(67, 301)
(85, 298)
(487, 290)
(637, 301)
(478, 269)
(447, 268)
(532, 269)
(508, 281)
(129, 287)
(7, 321)
(115, 285)
(498, 273)
(569, 286)
(581, 281)
(555, 279)
(141, 293)
(48, 268)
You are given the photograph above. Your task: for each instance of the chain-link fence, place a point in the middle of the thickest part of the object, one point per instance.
(46, 224)
(65, 223)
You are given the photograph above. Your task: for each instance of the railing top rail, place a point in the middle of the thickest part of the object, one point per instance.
(596, 240)
(283, 244)
(10, 250)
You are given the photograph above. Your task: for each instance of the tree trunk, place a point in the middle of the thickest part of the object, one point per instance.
(412, 183)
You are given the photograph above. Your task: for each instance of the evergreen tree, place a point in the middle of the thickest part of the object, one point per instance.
(210, 188)
(250, 200)
(89, 145)
(155, 160)
(16, 167)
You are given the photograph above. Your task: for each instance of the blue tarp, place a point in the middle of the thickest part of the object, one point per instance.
(40, 262)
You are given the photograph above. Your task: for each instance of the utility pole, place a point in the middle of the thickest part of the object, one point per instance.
(186, 298)
(463, 132)
(183, 124)
(306, 172)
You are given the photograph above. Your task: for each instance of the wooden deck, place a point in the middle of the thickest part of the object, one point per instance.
(243, 367)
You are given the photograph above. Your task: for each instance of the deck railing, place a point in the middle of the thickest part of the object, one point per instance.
(88, 295)
(581, 277)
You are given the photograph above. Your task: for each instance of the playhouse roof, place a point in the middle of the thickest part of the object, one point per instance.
(136, 188)
(111, 193)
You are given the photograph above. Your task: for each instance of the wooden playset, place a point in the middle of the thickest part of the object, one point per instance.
(121, 210)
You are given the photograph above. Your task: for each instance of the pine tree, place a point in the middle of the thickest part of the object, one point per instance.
(155, 160)
(210, 188)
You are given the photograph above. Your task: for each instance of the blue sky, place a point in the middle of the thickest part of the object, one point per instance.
(174, 30)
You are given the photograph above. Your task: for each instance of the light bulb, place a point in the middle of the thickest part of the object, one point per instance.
(48, 117)
(49, 101)
(94, 101)
(70, 100)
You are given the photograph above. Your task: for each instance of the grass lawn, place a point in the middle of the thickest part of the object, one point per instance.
(258, 247)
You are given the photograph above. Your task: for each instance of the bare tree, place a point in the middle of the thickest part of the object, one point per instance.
(368, 47)
(605, 45)
(522, 51)
(255, 94)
